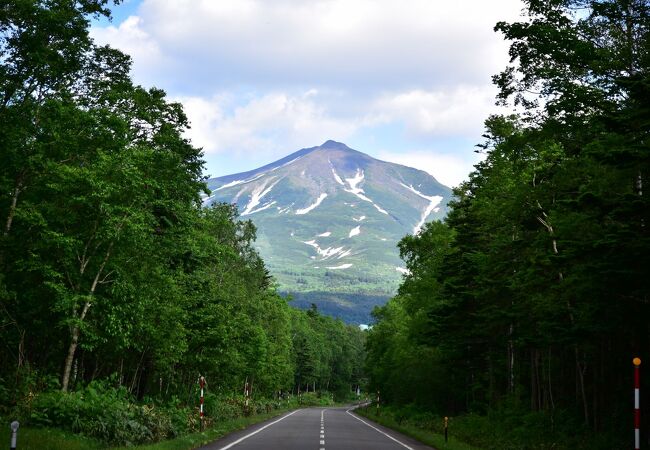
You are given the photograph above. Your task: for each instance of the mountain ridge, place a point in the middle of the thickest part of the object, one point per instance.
(329, 219)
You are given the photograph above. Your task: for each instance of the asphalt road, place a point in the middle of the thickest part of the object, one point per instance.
(317, 429)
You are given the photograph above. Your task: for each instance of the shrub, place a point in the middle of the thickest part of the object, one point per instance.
(108, 414)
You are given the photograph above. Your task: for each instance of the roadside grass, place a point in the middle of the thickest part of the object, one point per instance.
(194, 440)
(426, 436)
(50, 439)
(53, 439)
(43, 438)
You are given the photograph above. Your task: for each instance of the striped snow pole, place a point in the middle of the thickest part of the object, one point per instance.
(378, 400)
(202, 385)
(637, 410)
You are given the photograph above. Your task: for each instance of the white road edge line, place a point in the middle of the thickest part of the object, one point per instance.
(257, 431)
(377, 429)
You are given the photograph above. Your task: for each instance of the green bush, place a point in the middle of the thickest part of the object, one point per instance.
(107, 414)
(316, 399)
(223, 408)
(111, 415)
(504, 428)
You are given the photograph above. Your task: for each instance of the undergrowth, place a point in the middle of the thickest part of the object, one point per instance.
(499, 429)
(112, 416)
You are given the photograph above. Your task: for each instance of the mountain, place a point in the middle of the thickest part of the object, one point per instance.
(329, 219)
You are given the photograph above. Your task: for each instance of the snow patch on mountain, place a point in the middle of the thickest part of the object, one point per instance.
(354, 188)
(312, 243)
(342, 266)
(354, 183)
(238, 182)
(326, 234)
(380, 209)
(360, 219)
(434, 201)
(205, 200)
(311, 207)
(355, 231)
(344, 254)
(403, 270)
(336, 175)
(257, 195)
(292, 161)
(266, 206)
(329, 252)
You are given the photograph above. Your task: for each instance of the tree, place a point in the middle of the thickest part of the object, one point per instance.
(536, 290)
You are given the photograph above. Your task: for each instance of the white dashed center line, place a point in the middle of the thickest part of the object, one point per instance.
(322, 430)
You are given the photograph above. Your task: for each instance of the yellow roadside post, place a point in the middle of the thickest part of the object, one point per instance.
(446, 428)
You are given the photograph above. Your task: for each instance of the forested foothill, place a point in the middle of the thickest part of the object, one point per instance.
(117, 289)
(523, 310)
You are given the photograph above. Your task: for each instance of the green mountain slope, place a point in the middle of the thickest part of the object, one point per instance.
(329, 219)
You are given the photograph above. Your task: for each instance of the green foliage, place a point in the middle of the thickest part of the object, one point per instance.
(107, 414)
(111, 269)
(350, 293)
(322, 398)
(112, 416)
(529, 302)
(420, 425)
(502, 428)
(328, 355)
(51, 439)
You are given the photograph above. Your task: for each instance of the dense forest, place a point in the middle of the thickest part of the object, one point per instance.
(528, 304)
(111, 272)
(519, 318)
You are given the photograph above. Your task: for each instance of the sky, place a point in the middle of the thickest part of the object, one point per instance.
(406, 81)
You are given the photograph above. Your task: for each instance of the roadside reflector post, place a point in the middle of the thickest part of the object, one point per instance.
(637, 410)
(446, 428)
(246, 393)
(378, 399)
(14, 434)
(201, 412)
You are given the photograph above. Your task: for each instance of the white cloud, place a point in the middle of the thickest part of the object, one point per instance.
(262, 129)
(385, 43)
(260, 79)
(458, 111)
(278, 121)
(449, 169)
(271, 124)
(134, 40)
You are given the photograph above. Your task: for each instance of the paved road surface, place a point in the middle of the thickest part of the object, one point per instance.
(317, 429)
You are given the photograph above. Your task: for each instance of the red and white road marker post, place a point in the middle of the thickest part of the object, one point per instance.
(247, 392)
(378, 401)
(637, 410)
(202, 385)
